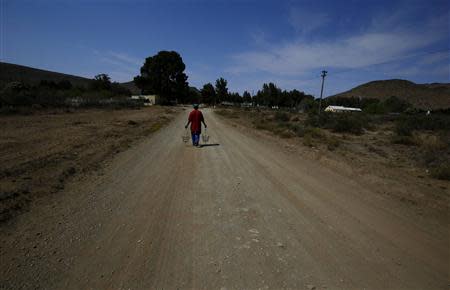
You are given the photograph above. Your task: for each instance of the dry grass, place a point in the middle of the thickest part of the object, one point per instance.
(41, 152)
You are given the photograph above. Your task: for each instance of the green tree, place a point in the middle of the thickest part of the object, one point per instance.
(163, 75)
(101, 82)
(270, 95)
(221, 90)
(235, 98)
(193, 95)
(247, 98)
(208, 94)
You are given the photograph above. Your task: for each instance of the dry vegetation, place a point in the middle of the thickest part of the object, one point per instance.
(40, 152)
(407, 156)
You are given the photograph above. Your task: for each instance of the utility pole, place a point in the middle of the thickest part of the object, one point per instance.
(323, 75)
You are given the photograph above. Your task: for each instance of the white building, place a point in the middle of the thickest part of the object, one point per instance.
(338, 109)
(149, 100)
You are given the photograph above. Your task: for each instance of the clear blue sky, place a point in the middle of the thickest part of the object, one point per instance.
(246, 42)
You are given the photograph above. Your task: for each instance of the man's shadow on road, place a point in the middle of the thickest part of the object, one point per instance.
(209, 145)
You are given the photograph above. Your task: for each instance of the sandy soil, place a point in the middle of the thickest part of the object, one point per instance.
(42, 151)
(242, 213)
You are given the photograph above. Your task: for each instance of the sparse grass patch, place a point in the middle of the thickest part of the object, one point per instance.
(404, 140)
(432, 143)
(231, 114)
(286, 133)
(155, 127)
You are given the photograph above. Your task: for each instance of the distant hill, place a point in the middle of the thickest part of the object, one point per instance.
(32, 76)
(18, 73)
(132, 87)
(424, 96)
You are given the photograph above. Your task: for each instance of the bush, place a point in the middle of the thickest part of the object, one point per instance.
(308, 140)
(323, 120)
(281, 116)
(407, 123)
(339, 122)
(298, 130)
(349, 123)
(314, 132)
(404, 128)
(332, 143)
(441, 172)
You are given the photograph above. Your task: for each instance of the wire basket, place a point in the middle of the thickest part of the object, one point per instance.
(185, 137)
(205, 137)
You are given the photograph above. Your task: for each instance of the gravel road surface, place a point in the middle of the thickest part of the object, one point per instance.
(239, 213)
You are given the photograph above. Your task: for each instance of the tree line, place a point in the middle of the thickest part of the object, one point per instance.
(163, 74)
(48, 93)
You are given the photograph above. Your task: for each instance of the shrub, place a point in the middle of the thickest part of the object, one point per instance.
(332, 143)
(314, 132)
(394, 104)
(348, 123)
(441, 171)
(298, 130)
(281, 116)
(308, 140)
(404, 128)
(407, 123)
(374, 108)
(339, 122)
(262, 125)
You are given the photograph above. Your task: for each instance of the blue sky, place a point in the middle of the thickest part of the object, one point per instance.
(246, 42)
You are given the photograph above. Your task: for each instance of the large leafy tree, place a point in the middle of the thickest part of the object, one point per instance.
(221, 90)
(247, 98)
(208, 94)
(101, 82)
(163, 75)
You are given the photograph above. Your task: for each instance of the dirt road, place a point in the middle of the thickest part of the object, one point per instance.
(240, 214)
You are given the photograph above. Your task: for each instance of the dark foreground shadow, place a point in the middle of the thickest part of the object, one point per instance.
(209, 145)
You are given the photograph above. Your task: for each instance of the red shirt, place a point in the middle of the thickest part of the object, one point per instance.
(196, 117)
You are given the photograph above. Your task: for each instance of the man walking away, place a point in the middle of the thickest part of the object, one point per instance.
(196, 120)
